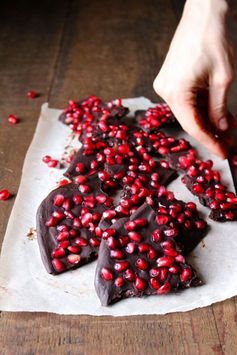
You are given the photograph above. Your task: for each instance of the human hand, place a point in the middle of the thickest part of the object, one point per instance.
(200, 63)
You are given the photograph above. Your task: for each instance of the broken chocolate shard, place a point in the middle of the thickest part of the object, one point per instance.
(138, 258)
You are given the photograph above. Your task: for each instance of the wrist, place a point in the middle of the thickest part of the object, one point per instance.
(215, 7)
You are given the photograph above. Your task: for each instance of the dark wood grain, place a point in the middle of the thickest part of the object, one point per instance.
(71, 49)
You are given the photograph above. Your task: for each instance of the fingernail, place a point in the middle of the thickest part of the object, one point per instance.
(223, 124)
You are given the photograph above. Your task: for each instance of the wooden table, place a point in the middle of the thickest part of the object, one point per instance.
(71, 49)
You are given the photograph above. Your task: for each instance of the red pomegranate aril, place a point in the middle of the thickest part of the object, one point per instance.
(53, 163)
(77, 199)
(152, 254)
(82, 242)
(232, 200)
(73, 259)
(117, 254)
(46, 158)
(103, 176)
(180, 259)
(170, 252)
(174, 269)
(124, 149)
(112, 242)
(154, 281)
(101, 198)
(108, 233)
(164, 289)
(130, 225)
(142, 264)
(4, 194)
(214, 205)
(109, 214)
(121, 266)
(119, 282)
(107, 274)
(191, 205)
(200, 224)
(154, 272)
(163, 274)
(166, 261)
(136, 237)
(140, 222)
(59, 215)
(80, 179)
(162, 219)
(229, 215)
(186, 274)
(124, 240)
(63, 236)
(140, 284)
(58, 200)
(198, 188)
(130, 248)
(84, 188)
(143, 247)
(63, 244)
(129, 275)
(58, 253)
(32, 94)
(94, 242)
(52, 222)
(80, 168)
(13, 119)
(157, 235)
(67, 205)
(171, 232)
(74, 249)
(58, 265)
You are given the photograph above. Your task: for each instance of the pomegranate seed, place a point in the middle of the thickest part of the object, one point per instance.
(59, 215)
(155, 283)
(74, 249)
(117, 254)
(162, 219)
(119, 282)
(200, 224)
(140, 284)
(84, 188)
(165, 261)
(143, 247)
(77, 199)
(58, 253)
(73, 259)
(53, 163)
(109, 214)
(121, 266)
(13, 119)
(154, 272)
(140, 222)
(186, 274)
(32, 94)
(101, 198)
(174, 269)
(107, 274)
(180, 259)
(82, 242)
(112, 242)
(198, 188)
(58, 265)
(171, 232)
(157, 235)
(4, 194)
(164, 289)
(80, 179)
(130, 248)
(130, 225)
(46, 158)
(136, 237)
(64, 235)
(142, 264)
(129, 275)
(80, 168)
(52, 222)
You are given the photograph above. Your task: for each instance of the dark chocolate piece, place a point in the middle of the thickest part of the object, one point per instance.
(66, 225)
(137, 257)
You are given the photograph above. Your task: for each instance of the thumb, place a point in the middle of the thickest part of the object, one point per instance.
(217, 106)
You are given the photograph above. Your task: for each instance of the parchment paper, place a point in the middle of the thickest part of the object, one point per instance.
(26, 286)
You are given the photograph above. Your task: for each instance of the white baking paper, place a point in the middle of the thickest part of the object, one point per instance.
(26, 286)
